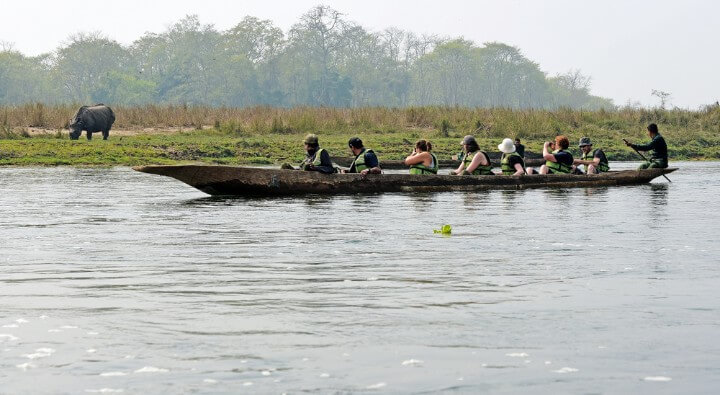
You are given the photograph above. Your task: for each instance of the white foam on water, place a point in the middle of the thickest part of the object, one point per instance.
(90, 350)
(483, 364)
(113, 374)
(209, 381)
(548, 362)
(657, 378)
(305, 359)
(565, 370)
(8, 337)
(91, 333)
(265, 373)
(412, 362)
(25, 366)
(243, 361)
(69, 327)
(518, 354)
(324, 375)
(129, 357)
(372, 278)
(21, 321)
(602, 347)
(527, 361)
(461, 378)
(247, 383)
(376, 386)
(43, 317)
(105, 391)
(10, 326)
(54, 330)
(151, 369)
(40, 353)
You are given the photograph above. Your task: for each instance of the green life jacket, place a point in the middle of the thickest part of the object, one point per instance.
(313, 160)
(419, 168)
(505, 163)
(480, 170)
(558, 167)
(590, 156)
(359, 162)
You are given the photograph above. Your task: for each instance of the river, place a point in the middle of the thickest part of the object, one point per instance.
(118, 281)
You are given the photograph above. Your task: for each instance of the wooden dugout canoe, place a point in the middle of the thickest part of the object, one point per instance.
(247, 181)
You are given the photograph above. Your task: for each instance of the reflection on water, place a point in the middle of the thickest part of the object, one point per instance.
(659, 195)
(595, 192)
(112, 280)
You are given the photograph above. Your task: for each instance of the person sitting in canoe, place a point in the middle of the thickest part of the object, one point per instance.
(511, 163)
(595, 161)
(659, 156)
(316, 158)
(519, 148)
(473, 162)
(558, 161)
(365, 159)
(421, 160)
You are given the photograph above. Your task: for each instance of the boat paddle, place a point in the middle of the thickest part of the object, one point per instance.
(641, 155)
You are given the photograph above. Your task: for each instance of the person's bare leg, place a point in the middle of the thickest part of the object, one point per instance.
(544, 169)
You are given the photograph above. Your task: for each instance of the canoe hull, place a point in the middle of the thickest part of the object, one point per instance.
(244, 181)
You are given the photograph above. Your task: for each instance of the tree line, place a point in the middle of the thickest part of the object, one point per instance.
(324, 60)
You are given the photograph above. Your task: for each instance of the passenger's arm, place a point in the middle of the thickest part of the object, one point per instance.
(416, 158)
(547, 155)
(374, 170)
(475, 162)
(372, 160)
(460, 168)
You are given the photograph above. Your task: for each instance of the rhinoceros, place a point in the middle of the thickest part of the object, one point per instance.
(97, 118)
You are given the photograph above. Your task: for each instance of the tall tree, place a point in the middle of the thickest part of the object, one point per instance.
(84, 66)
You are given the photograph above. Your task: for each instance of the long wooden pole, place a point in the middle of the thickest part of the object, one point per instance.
(642, 156)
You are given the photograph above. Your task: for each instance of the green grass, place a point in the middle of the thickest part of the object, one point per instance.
(272, 136)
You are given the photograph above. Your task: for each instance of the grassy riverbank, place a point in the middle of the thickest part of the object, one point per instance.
(34, 135)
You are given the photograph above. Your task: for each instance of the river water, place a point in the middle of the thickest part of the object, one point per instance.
(118, 281)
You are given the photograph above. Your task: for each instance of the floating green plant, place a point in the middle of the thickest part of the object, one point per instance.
(445, 230)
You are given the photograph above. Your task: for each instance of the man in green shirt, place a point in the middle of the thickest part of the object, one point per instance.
(659, 156)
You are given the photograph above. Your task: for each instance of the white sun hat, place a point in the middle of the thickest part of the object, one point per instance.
(507, 146)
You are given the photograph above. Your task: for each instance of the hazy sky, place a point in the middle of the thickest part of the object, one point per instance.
(627, 47)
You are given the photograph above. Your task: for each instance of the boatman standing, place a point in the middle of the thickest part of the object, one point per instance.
(595, 161)
(316, 158)
(365, 159)
(659, 156)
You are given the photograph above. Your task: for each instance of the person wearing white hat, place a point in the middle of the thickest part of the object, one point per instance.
(511, 163)
(474, 162)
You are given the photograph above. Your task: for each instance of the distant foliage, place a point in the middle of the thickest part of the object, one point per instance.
(323, 60)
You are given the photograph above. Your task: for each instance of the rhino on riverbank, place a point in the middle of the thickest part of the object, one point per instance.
(97, 118)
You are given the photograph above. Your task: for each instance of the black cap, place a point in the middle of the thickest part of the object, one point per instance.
(355, 142)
